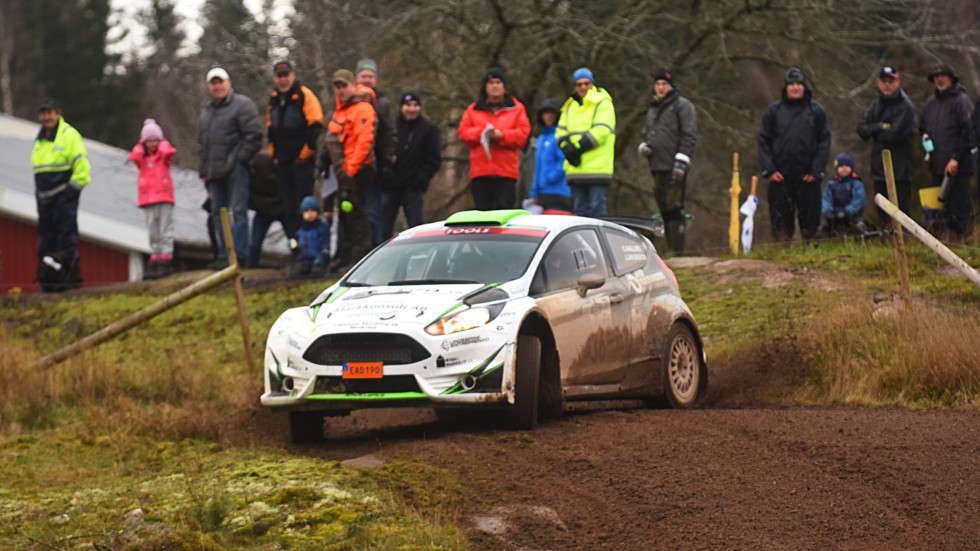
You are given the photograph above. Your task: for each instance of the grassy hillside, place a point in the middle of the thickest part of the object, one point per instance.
(155, 439)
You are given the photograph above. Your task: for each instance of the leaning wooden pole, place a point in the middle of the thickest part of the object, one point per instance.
(903, 267)
(239, 291)
(949, 256)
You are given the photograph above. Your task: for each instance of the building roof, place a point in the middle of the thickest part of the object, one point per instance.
(108, 211)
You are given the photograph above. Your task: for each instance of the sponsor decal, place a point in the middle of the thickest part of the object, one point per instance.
(449, 361)
(449, 344)
(387, 316)
(481, 231)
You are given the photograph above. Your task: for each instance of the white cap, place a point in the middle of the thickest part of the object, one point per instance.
(217, 72)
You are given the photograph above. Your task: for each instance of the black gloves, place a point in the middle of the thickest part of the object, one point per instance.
(572, 154)
(587, 142)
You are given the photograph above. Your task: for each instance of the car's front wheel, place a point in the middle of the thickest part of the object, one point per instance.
(523, 415)
(684, 372)
(306, 427)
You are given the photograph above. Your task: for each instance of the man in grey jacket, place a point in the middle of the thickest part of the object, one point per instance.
(229, 136)
(670, 136)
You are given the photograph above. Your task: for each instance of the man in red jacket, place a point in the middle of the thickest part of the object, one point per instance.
(495, 127)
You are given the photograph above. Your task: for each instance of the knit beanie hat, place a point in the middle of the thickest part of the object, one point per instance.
(366, 64)
(494, 72)
(582, 72)
(411, 95)
(664, 74)
(151, 130)
(844, 159)
(309, 202)
(794, 74)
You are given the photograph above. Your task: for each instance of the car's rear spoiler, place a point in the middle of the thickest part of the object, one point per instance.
(638, 223)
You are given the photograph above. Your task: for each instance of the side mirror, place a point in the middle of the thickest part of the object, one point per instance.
(589, 282)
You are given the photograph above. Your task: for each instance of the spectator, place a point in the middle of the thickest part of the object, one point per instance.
(229, 135)
(843, 201)
(417, 161)
(61, 170)
(350, 144)
(946, 123)
(670, 136)
(265, 200)
(794, 142)
(587, 136)
(495, 127)
(890, 123)
(550, 190)
(312, 242)
(294, 119)
(385, 143)
(155, 187)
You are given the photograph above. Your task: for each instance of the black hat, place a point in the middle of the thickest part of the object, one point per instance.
(888, 72)
(664, 74)
(48, 104)
(548, 105)
(943, 69)
(282, 67)
(494, 72)
(411, 95)
(794, 74)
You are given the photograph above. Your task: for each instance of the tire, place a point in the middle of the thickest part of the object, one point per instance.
(523, 415)
(685, 376)
(306, 427)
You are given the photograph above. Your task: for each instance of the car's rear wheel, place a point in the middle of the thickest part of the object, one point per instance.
(523, 415)
(306, 427)
(684, 373)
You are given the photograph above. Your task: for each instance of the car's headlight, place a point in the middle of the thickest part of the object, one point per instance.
(470, 318)
(304, 327)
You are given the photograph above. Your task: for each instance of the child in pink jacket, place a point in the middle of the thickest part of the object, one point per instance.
(153, 156)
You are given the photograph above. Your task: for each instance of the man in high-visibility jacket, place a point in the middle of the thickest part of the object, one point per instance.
(587, 135)
(61, 170)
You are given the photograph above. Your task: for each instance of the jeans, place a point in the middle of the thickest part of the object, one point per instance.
(391, 201)
(231, 193)
(260, 227)
(589, 199)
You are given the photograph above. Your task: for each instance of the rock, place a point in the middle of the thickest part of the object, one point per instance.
(369, 461)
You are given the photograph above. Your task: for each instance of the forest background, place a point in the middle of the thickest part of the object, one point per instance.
(728, 56)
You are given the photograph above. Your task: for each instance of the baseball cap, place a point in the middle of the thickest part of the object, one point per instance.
(217, 72)
(888, 72)
(282, 67)
(343, 75)
(48, 104)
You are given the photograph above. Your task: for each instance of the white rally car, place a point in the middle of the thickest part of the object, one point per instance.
(494, 310)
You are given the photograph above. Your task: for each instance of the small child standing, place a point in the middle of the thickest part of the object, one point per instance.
(844, 199)
(153, 156)
(312, 242)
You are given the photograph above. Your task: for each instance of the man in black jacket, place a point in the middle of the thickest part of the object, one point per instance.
(794, 142)
(385, 143)
(417, 161)
(946, 122)
(890, 123)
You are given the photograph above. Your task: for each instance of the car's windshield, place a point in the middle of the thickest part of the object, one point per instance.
(450, 255)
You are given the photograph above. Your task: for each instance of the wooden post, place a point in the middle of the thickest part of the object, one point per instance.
(239, 291)
(136, 318)
(903, 268)
(949, 256)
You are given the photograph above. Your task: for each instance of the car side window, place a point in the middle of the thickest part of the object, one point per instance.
(572, 256)
(628, 252)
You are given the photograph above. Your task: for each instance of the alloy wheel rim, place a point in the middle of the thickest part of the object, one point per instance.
(683, 368)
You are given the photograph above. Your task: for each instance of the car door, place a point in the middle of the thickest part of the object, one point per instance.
(591, 331)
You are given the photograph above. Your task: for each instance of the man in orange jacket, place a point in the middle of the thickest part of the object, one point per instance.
(350, 141)
(495, 127)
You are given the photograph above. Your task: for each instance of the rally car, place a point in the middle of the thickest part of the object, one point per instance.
(494, 310)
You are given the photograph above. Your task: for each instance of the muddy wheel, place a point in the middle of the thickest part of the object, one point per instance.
(306, 427)
(523, 415)
(684, 373)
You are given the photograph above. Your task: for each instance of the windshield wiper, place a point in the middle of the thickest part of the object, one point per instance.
(429, 281)
(356, 284)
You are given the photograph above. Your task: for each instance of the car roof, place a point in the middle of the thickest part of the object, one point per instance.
(552, 223)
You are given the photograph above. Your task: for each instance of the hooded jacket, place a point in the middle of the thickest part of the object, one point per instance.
(351, 132)
(549, 170)
(896, 110)
(418, 155)
(594, 115)
(794, 138)
(229, 132)
(155, 184)
(511, 119)
(60, 160)
(293, 119)
(845, 194)
(671, 131)
(946, 118)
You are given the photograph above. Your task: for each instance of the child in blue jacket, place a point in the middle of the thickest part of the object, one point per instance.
(550, 188)
(312, 242)
(844, 199)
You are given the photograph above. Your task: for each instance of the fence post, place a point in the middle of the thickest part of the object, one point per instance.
(239, 291)
(903, 268)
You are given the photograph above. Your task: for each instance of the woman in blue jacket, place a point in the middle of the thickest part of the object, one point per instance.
(550, 188)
